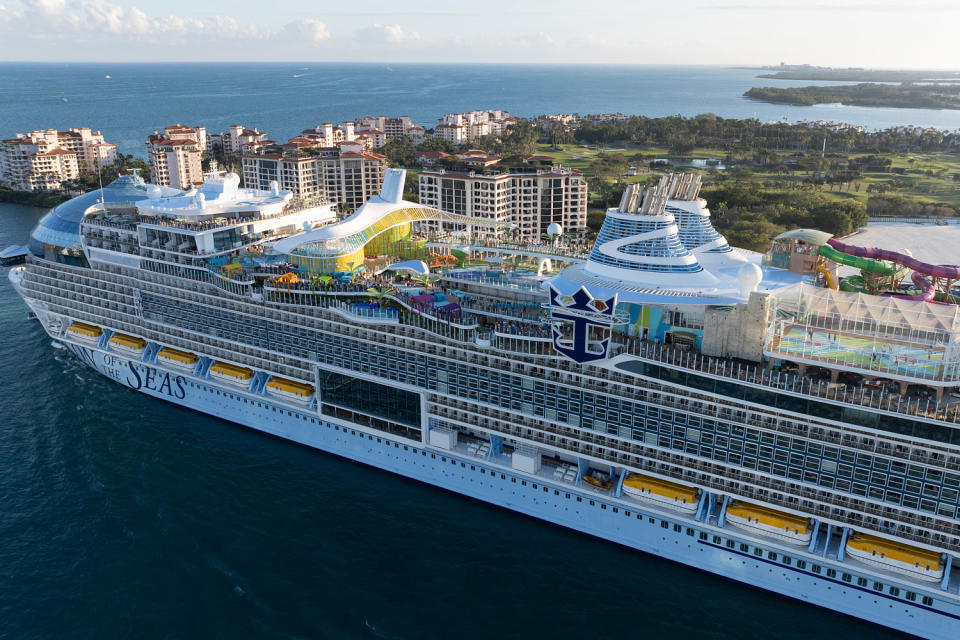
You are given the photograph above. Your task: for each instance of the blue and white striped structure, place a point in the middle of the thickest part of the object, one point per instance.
(640, 241)
(695, 230)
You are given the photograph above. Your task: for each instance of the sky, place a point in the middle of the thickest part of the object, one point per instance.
(865, 33)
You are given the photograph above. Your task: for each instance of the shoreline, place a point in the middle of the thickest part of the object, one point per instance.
(31, 199)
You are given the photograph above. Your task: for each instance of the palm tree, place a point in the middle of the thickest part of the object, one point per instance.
(461, 256)
(380, 294)
(320, 281)
(425, 280)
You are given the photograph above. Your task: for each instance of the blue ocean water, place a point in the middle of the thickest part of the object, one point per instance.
(139, 98)
(121, 516)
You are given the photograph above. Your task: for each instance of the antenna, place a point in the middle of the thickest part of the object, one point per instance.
(103, 199)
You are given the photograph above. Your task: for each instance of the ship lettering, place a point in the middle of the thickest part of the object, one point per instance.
(165, 386)
(136, 375)
(149, 380)
(84, 354)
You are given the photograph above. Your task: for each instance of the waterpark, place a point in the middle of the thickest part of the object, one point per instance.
(895, 315)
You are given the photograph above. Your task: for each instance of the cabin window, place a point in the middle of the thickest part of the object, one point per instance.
(878, 586)
(911, 596)
(730, 544)
(831, 573)
(744, 547)
(846, 577)
(717, 539)
(664, 524)
(771, 556)
(928, 601)
(801, 564)
(861, 582)
(894, 591)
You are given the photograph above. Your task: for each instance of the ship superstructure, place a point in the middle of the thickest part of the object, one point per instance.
(661, 390)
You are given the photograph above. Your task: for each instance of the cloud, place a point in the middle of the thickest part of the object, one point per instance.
(539, 40)
(310, 29)
(896, 7)
(47, 18)
(389, 34)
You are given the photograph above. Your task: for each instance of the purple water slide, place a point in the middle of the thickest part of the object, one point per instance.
(920, 269)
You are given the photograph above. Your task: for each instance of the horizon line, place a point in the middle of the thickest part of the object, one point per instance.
(731, 65)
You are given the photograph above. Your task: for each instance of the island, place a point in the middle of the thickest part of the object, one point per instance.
(862, 75)
(905, 95)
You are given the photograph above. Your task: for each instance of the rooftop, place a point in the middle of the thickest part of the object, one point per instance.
(219, 194)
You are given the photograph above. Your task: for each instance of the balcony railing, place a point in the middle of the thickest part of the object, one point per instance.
(756, 375)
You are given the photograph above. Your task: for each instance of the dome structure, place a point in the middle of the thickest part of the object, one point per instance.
(749, 275)
(60, 228)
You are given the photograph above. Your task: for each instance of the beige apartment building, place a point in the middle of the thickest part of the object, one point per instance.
(175, 156)
(175, 163)
(346, 174)
(48, 159)
(529, 199)
(465, 128)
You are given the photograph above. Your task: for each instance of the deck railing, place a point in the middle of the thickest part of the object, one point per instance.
(753, 374)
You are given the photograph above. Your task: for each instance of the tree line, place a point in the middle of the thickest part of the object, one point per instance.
(682, 135)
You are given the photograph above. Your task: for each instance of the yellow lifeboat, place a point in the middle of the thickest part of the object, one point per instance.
(894, 556)
(231, 373)
(178, 359)
(769, 522)
(661, 492)
(84, 332)
(600, 481)
(129, 345)
(290, 389)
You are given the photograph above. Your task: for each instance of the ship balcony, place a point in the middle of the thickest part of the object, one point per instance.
(868, 396)
(855, 510)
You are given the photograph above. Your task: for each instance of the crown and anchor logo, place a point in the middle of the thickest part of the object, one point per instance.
(581, 324)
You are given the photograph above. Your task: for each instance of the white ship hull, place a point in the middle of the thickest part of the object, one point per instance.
(662, 532)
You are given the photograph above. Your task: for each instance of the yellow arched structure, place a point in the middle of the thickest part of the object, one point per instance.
(376, 228)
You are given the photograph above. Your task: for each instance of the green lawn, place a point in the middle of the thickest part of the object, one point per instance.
(938, 187)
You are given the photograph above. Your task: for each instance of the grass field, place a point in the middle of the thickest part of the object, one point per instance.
(938, 187)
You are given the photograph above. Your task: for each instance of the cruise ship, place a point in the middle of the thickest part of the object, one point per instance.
(760, 417)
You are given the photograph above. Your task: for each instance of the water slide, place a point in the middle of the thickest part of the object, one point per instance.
(827, 276)
(853, 260)
(920, 269)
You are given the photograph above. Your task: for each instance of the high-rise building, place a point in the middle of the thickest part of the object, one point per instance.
(392, 128)
(529, 199)
(175, 162)
(346, 174)
(464, 128)
(238, 139)
(45, 160)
